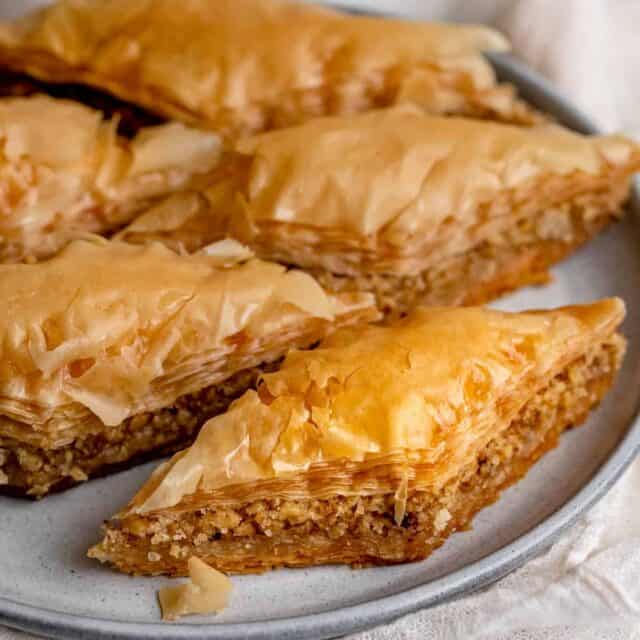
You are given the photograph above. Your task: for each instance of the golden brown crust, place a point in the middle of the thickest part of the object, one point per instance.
(34, 463)
(361, 530)
(225, 64)
(395, 186)
(95, 182)
(392, 187)
(207, 592)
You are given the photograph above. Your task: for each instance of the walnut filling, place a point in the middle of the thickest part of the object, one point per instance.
(36, 471)
(361, 530)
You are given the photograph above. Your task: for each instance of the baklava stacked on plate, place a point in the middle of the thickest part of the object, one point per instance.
(296, 204)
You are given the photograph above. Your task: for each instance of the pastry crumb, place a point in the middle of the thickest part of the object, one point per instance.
(207, 592)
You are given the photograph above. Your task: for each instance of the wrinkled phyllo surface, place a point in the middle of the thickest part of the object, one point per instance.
(112, 352)
(243, 66)
(374, 447)
(417, 209)
(64, 171)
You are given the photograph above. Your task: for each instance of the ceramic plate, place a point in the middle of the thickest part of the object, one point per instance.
(49, 587)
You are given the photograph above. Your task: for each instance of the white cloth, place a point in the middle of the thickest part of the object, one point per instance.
(587, 587)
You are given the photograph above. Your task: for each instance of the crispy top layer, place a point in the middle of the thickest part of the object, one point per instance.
(63, 168)
(401, 174)
(432, 389)
(227, 54)
(101, 320)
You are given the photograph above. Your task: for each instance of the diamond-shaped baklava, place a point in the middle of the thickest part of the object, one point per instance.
(64, 171)
(242, 66)
(111, 352)
(417, 209)
(374, 447)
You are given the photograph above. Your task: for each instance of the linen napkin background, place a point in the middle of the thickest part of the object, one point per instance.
(587, 587)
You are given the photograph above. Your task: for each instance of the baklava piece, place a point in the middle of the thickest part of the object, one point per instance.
(112, 353)
(417, 209)
(374, 447)
(64, 172)
(242, 66)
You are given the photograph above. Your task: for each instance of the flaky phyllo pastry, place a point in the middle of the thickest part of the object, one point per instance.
(374, 447)
(112, 352)
(243, 66)
(414, 208)
(64, 171)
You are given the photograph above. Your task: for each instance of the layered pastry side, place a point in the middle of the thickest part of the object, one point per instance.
(65, 172)
(243, 66)
(113, 353)
(374, 447)
(415, 209)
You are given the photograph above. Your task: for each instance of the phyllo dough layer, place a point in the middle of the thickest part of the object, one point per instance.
(417, 209)
(64, 171)
(374, 447)
(109, 351)
(242, 66)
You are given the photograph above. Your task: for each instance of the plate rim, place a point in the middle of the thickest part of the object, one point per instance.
(353, 618)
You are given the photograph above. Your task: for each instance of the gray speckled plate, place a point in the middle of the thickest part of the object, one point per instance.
(49, 587)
